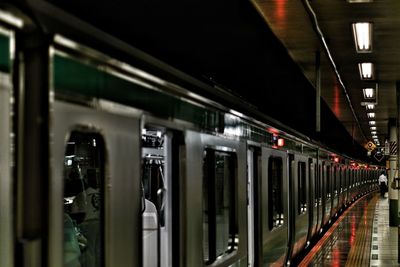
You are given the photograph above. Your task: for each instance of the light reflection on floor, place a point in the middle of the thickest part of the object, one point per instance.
(337, 247)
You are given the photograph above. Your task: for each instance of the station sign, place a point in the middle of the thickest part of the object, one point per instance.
(370, 146)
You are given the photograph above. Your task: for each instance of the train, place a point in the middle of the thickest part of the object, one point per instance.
(110, 157)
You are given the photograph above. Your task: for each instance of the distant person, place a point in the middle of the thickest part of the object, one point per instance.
(383, 183)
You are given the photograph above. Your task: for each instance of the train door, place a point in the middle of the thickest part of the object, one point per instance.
(340, 188)
(320, 194)
(335, 194)
(6, 203)
(214, 193)
(275, 186)
(160, 182)
(327, 182)
(95, 199)
(254, 223)
(299, 199)
(313, 204)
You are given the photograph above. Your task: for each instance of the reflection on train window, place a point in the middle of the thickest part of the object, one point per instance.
(302, 191)
(328, 182)
(335, 185)
(83, 200)
(316, 185)
(275, 194)
(153, 195)
(219, 206)
(319, 185)
(351, 178)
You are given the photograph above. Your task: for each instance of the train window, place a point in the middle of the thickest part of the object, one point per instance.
(219, 205)
(275, 194)
(302, 190)
(335, 185)
(319, 184)
(84, 163)
(315, 182)
(328, 182)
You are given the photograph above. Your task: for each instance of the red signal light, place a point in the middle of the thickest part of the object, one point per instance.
(336, 159)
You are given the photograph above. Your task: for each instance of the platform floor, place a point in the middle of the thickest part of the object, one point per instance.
(360, 237)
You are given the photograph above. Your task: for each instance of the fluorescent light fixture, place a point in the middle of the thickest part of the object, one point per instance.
(360, 1)
(371, 115)
(373, 128)
(366, 70)
(10, 18)
(369, 93)
(375, 136)
(373, 132)
(372, 122)
(362, 33)
(370, 106)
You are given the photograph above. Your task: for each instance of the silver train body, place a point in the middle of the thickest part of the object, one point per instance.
(148, 170)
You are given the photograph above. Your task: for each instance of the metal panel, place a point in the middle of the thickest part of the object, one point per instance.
(6, 218)
(122, 181)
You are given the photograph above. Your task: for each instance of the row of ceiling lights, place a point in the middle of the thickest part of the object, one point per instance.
(362, 33)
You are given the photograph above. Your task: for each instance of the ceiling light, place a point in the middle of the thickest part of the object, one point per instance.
(366, 70)
(371, 115)
(362, 33)
(369, 93)
(375, 136)
(373, 132)
(370, 106)
(373, 128)
(372, 122)
(360, 1)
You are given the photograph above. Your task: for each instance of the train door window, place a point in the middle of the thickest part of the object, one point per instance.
(335, 186)
(340, 180)
(84, 164)
(328, 182)
(219, 205)
(315, 182)
(352, 176)
(155, 228)
(319, 184)
(275, 194)
(302, 189)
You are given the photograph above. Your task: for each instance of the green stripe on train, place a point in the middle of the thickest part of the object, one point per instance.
(73, 77)
(5, 61)
(78, 79)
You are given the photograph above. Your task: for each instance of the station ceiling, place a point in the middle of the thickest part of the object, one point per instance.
(301, 25)
(265, 51)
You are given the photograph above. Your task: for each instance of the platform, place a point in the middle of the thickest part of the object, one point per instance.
(360, 237)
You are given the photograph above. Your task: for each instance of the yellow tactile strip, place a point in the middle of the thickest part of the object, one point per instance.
(359, 254)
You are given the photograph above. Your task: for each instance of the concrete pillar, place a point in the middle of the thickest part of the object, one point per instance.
(393, 194)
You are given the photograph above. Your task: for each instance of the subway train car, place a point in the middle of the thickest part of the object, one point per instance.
(112, 158)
